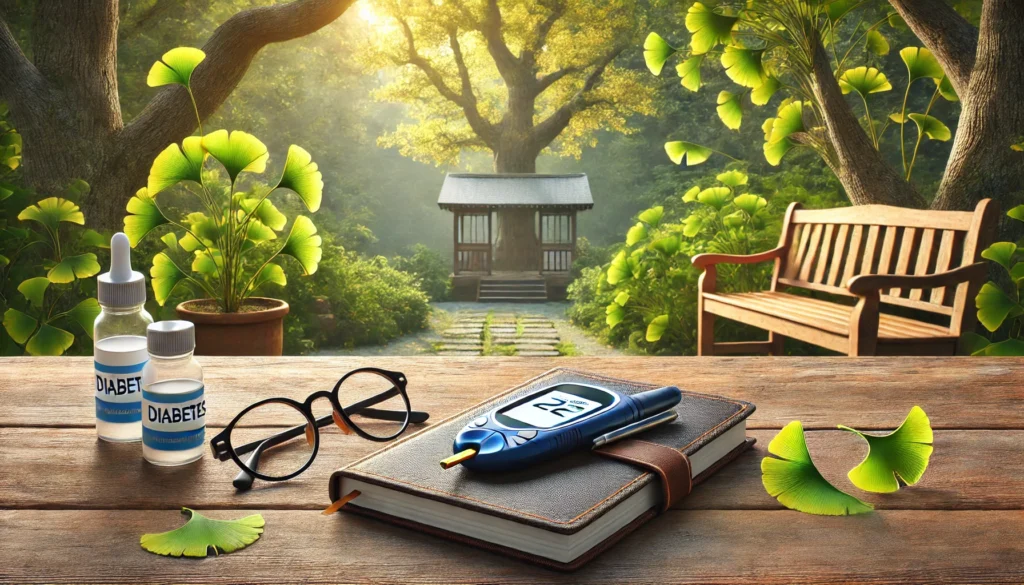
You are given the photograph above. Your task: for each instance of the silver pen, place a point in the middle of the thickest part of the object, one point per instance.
(637, 427)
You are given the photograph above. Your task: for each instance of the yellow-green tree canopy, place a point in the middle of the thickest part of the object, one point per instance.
(507, 77)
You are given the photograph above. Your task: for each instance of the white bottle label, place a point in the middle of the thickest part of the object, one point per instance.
(118, 363)
(174, 415)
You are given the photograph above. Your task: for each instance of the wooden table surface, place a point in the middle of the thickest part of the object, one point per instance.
(72, 508)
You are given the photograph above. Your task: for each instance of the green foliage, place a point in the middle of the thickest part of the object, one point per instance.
(899, 456)
(46, 307)
(235, 225)
(197, 536)
(1001, 308)
(792, 478)
(430, 269)
(766, 48)
(353, 301)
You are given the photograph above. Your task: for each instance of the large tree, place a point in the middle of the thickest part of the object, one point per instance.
(798, 46)
(510, 78)
(63, 96)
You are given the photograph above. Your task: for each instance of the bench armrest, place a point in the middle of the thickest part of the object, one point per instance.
(867, 283)
(704, 260)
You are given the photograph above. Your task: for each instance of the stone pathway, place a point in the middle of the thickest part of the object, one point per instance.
(482, 332)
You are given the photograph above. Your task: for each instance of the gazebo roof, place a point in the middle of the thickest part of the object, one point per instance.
(467, 190)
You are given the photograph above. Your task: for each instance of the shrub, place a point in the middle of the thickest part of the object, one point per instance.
(371, 301)
(430, 268)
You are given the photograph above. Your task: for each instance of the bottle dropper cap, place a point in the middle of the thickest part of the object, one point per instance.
(122, 286)
(170, 338)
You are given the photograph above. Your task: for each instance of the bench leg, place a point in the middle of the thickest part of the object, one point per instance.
(705, 320)
(777, 343)
(864, 326)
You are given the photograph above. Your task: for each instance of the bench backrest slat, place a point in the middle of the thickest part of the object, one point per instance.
(828, 247)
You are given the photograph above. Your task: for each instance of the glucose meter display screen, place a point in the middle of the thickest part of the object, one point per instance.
(551, 409)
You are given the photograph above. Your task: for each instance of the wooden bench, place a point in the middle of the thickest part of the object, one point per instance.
(866, 255)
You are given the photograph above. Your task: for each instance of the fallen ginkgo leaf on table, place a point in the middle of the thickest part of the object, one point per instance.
(200, 534)
(797, 484)
(900, 455)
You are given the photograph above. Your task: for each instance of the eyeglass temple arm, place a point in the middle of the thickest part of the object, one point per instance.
(361, 407)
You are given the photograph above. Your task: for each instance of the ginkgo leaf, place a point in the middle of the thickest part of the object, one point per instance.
(708, 29)
(1001, 252)
(49, 340)
(876, 43)
(619, 269)
(946, 89)
(692, 225)
(19, 325)
(72, 267)
(207, 263)
(301, 176)
(95, 239)
(729, 110)
(1011, 347)
(257, 232)
(656, 52)
(693, 153)
(734, 219)
(717, 197)
(901, 455)
(614, 315)
(864, 80)
(931, 127)
(170, 240)
(789, 121)
(995, 306)
(656, 328)
(691, 194)
(743, 66)
(85, 313)
(636, 233)
(175, 66)
(921, 63)
(1017, 273)
(750, 203)
(238, 151)
(176, 164)
(622, 298)
(270, 273)
(667, 245)
(652, 216)
(165, 277)
(51, 212)
(143, 217)
(303, 244)
(34, 289)
(200, 534)
(1016, 213)
(732, 178)
(266, 212)
(837, 9)
(898, 118)
(796, 483)
(763, 93)
(689, 72)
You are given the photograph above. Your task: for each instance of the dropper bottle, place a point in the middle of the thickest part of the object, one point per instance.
(119, 346)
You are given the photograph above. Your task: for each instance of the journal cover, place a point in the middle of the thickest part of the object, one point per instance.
(562, 496)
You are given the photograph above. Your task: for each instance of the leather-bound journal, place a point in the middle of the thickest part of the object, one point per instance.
(560, 513)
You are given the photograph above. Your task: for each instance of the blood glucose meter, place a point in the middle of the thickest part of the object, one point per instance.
(553, 421)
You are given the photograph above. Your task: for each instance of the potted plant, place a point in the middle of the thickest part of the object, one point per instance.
(227, 248)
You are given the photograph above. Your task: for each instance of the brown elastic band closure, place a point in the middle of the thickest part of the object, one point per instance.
(673, 467)
(334, 507)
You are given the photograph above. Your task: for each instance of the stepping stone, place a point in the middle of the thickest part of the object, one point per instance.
(477, 330)
(500, 330)
(462, 345)
(521, 347)
(529, 326)
(538, 354)
(459, 353)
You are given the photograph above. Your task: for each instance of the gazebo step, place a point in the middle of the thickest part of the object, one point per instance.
(501, 292)
(529, 299)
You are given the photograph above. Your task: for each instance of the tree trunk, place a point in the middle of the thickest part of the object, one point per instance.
(981, 163)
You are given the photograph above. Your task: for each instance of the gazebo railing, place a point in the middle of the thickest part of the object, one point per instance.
(555, 257)
(473, 258)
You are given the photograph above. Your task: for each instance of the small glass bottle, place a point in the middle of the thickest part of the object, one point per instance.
(119, 346)
(173, 396)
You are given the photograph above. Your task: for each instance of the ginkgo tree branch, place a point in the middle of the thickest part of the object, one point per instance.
(549, 129)
(229, 51)
(17, 74)
(949, 36)
(542, 29)
(546, 81)
(509, 66)
(465, 99)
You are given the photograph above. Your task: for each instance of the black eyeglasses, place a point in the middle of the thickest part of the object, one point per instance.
(380, 412)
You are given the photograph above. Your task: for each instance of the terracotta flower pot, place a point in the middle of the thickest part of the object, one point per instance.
(258, 330)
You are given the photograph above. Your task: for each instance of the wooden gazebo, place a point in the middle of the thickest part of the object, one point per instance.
(514, 234)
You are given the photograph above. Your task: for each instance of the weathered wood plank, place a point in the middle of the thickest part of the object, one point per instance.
(692, 546)
(69, 469)
(821, 392)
